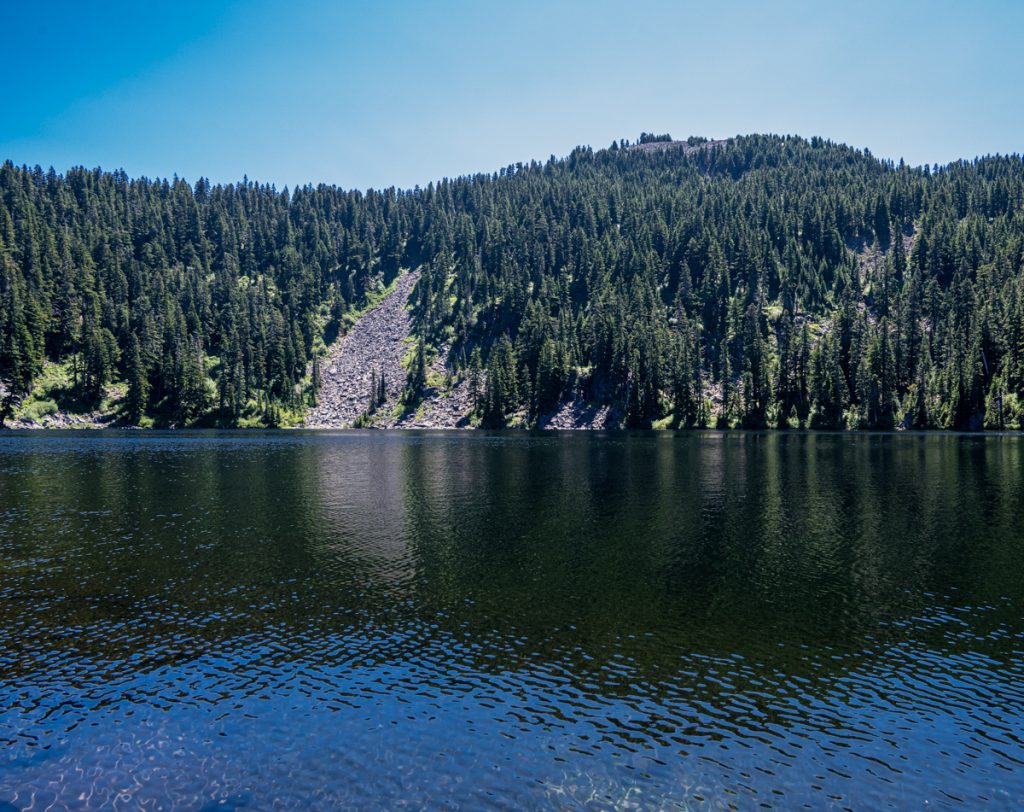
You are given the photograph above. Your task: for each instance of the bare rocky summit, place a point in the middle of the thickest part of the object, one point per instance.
(686, 147)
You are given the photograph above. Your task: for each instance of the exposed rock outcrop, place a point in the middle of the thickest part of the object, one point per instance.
(443, 405)
(577, 414)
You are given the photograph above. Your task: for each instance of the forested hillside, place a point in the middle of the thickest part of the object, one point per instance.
(763, 281)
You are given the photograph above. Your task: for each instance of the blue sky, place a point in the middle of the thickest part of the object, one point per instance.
(400, 93)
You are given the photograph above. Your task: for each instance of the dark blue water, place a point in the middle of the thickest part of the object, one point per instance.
(376, 620)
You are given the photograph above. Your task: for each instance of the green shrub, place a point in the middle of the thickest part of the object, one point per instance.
(36, 410)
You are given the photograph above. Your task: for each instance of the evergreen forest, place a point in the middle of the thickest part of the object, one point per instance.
(759, 282)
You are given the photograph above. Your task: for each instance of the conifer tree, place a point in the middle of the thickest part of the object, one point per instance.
(138, 384)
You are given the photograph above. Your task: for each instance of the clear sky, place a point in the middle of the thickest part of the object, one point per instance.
(399, 93)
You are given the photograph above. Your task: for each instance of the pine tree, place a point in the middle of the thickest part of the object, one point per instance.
(138, 384)
(724, 416)
(315, 382)
(827, 386)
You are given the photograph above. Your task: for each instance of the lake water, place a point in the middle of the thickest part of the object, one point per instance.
(384, 620)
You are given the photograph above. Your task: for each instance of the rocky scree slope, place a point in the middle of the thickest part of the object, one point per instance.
(377, 345)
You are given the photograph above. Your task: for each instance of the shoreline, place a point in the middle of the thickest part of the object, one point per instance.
(507, 430)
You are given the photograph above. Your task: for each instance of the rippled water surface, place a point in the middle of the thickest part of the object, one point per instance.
(375, 620)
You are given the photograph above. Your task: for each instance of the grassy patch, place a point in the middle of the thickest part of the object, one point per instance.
(437, 380)
(53, 390)
(411, 343)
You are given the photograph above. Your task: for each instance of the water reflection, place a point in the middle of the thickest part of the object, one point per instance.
(307, 620)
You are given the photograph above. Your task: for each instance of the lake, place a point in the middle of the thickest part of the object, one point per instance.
(302, 620)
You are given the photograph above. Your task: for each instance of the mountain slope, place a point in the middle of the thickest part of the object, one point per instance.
(759, 281)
